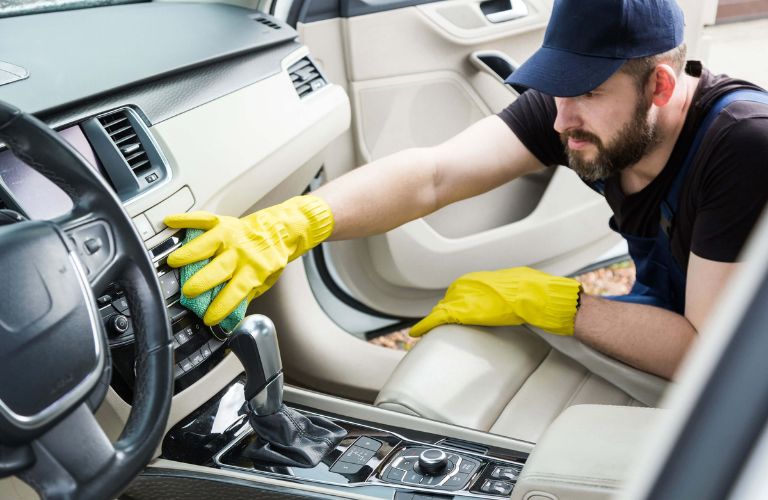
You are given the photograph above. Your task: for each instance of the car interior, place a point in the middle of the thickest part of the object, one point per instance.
(115, 116)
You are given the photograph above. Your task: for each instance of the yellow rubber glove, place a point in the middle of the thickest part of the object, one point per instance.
(507, 297)
(249, 252)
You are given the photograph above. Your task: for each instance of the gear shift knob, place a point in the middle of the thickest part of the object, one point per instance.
(254, 342)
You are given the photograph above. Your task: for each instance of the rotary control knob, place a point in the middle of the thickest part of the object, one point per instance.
(118, 324)
(433, 461)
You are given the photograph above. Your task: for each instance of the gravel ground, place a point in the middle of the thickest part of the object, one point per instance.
(616, 279)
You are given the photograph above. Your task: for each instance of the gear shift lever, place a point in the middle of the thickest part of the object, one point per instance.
(283, 435)
(254, 342)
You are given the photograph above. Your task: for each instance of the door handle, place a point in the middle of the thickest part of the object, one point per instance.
(499, 11)
(496, 63)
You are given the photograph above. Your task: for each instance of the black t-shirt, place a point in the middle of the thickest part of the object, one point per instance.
(726, 186)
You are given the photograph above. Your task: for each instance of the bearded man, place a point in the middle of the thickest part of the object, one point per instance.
(679, 154)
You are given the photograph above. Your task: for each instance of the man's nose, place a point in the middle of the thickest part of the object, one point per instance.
(567, 114)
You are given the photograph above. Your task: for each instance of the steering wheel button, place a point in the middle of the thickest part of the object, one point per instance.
(93, 245)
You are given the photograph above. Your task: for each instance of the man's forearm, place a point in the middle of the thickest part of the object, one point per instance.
(646, 337)
(382, 195)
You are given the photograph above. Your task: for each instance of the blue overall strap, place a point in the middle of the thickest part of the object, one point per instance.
(670, 204)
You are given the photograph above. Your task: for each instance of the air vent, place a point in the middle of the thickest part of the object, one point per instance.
(267, 22)
(305, 77)
(127, 152)
(121, 132)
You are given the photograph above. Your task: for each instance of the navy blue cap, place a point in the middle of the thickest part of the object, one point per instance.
(588, 40)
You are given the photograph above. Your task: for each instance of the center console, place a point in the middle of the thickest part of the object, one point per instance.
(197, 347)
(375, 460)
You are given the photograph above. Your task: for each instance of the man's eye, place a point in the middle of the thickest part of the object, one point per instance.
(589, 94)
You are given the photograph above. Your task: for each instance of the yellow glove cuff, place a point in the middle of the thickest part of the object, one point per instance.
(559, 314)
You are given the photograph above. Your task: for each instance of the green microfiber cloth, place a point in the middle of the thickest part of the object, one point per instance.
(200, 304)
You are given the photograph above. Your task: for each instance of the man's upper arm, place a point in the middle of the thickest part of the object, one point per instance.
(706, 279)
(482, 157)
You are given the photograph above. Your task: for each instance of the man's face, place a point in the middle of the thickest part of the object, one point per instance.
(608, 129)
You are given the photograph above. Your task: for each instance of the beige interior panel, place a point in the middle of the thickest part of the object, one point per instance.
(588, 453)
(12, 488)
(316, 352)
(233, 151)
(568, 216)
(440, 44)
(504, 380)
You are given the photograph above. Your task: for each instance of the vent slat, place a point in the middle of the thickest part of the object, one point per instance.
(120, 130)
(306, 78)
(137, 167)
(112, 134)
(126, 138)
(113, 122)
(135, 155)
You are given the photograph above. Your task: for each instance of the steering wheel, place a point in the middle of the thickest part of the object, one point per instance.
(54, 355)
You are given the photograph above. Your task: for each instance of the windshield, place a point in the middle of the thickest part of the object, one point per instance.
(18, 7)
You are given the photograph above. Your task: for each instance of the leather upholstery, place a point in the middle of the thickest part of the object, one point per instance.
(588, 453)
(505, 380)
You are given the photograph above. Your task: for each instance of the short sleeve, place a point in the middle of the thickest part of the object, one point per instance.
(734, 192)
(532, 119)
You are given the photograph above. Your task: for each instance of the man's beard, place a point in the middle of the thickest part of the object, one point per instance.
(634, 140)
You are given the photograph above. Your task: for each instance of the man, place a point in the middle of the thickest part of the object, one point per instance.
(625, 116)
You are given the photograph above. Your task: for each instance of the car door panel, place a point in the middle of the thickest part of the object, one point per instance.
(414, 80)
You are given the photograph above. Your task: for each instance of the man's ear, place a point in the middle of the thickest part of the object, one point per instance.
(662, 83)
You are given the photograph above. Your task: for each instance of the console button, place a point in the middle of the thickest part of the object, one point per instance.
(346, 468)
(432, 480)
(206, 351)
(413, 477)
(505, 473)
(496, 487)
(169, 283)
(120, 304)
(395, 474)
(357, 455)
(467, 466)
(196, 358)
(457, 481)
(186, 365)
(408, 463)
(368, 443)
(182, 337)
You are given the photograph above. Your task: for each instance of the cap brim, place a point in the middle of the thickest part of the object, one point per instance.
(563, 74)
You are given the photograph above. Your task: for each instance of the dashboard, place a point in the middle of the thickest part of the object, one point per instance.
(178, 107)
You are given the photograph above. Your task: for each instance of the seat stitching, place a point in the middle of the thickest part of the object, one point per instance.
(541, 362)
(578, 389)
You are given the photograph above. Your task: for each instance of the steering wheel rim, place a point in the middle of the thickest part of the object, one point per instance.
(71, 455)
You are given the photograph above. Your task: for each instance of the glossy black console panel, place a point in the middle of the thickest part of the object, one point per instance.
(197, 348)
(373, 459)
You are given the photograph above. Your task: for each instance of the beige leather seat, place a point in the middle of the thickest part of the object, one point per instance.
(512, 381)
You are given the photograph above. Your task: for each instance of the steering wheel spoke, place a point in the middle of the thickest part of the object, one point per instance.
(54, 268)
(69, 456)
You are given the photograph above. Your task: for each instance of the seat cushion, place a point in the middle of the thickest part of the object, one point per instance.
(505, 380)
